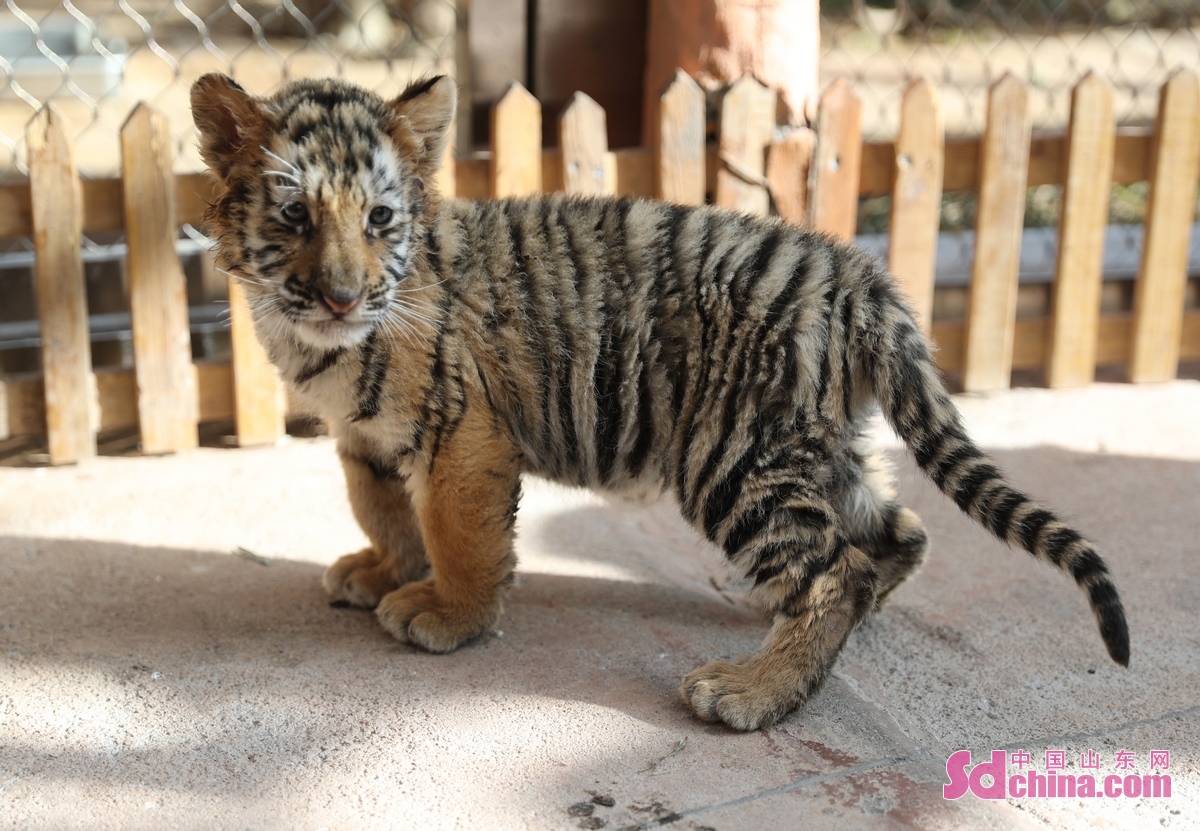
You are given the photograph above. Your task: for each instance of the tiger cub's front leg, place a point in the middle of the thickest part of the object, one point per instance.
(380, 501)
(467, 510)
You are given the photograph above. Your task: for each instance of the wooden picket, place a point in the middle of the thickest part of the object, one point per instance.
(57, 224)
(162, 345)
(812, 177)
(258, 397)
(1162, 279)
(1075, 304)
(838, 161)
(680, 159)
(446, 181)
(516, 168)
(789, 162)
(583, 137)
(747, 122)
(917, 196)
(992, 304)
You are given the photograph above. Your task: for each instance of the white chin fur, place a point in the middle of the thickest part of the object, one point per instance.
(332, 334)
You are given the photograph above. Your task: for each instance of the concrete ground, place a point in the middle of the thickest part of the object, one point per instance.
(153, 677)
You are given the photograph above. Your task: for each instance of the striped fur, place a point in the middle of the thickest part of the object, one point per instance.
(617, 344)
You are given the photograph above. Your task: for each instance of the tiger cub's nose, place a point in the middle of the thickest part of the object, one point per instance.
(341, 300)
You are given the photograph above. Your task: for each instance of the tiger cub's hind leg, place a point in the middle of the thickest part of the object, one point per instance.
(892, 535)
(382, 507)
(818, 587)
(898, 550)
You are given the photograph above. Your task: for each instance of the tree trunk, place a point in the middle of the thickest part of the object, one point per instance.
(719, 41)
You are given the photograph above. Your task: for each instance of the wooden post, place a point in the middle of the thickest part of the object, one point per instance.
(258, 397)
(57, 221)
(583, 137)
(464, 76)
(917, 196)
(788, 164)
(1075, 303)
(1170, 211)
(747, 124)
(992, 303)
(162, 347)
(516, 167)
(839, 161)
(679, 150)
(447, 185)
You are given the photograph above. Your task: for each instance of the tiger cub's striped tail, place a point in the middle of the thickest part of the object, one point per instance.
(914, 401)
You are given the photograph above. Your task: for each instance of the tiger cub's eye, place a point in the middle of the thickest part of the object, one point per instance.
(380, 215)
(295, 212)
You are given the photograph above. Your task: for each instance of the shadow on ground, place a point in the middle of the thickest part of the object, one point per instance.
(153, 685)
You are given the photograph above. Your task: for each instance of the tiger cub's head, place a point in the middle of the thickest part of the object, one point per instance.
(324, 188)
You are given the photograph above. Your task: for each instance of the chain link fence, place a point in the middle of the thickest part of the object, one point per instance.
(95, 60)
(963, 46)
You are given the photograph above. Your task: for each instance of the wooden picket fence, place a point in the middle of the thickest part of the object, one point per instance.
(809, 177)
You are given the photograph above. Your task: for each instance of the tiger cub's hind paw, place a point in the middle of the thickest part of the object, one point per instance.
(746, 695)
(361, 579)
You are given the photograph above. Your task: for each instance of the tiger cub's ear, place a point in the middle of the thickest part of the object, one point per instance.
(229, 120)
(421, 123)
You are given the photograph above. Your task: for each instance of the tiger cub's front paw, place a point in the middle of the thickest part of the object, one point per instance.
(361, 579)
(418, 614)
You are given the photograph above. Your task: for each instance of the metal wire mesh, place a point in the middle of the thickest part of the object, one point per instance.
(965, 45)
(96, 59)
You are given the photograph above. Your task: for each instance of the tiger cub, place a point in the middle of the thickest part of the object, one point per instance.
(617, 344)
